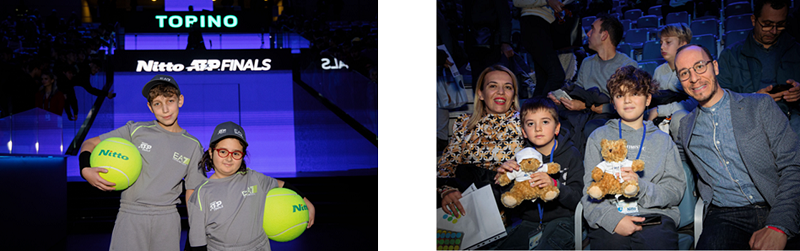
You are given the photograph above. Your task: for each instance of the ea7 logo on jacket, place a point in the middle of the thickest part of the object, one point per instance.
(180, 158)
(250, 191)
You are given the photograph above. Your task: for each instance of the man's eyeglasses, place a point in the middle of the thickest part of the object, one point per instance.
(769, 25)
(223, 153)
(699, 68)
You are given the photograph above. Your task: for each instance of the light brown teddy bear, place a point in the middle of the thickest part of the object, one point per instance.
(530, 162)
(606, 175)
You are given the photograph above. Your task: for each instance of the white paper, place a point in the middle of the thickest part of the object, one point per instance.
(481, 225)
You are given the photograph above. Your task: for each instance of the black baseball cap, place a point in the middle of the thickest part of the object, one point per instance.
(159, 79)
(228, 129)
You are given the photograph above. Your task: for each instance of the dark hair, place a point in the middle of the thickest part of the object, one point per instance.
(775, 4)
(165, 90)
(613, 26)
(632, 80)
(207, 164)
(533, 105)
(708, 53)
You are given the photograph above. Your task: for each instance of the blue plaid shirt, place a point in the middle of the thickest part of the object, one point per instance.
(714, 144)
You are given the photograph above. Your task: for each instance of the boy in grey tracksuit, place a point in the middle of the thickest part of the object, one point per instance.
(148, 218)
(613, 221)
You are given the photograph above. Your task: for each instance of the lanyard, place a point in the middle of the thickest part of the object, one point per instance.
(644, 133)
(541, 212)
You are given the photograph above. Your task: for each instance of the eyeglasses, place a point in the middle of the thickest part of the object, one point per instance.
(768, 27)
(699, 68)
(223, 153)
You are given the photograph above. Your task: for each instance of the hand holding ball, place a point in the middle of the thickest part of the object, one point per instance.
(122, 160)
(285, 215)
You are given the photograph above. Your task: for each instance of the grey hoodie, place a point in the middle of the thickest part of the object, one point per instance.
(661, 184)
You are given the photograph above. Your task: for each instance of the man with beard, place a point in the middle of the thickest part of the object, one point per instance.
(148, 218)
(766, 61)
(745, 154)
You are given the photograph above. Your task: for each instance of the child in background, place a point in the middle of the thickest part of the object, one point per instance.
(672, 36)
(226, 212)
(552, 220)
(148, 218)
(612, 223)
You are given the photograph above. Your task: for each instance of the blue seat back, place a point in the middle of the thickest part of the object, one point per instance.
(649, 67)
(737, 8)
(703, 27)
(655, 10)
(626, 49)
(738, 22)
(633, 14)
(678, 17)
(649, 21)
(651, 51)
(708, 41)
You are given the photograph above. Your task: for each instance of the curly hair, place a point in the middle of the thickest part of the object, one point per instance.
(207, 164)
(165, 90)
(629, 79)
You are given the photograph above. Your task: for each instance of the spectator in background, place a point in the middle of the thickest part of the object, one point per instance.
(536, 26)
(488, 35)
(590, 105)
(49, 97)
(766, 61)
(72, 79)
(673, 100)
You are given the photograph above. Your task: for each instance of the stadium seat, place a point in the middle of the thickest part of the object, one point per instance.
(633, 14)
(678, 17)
(649, 21)
(708, 41)
(698, 220)
(655, 10)
(737, 8)
(732, 37)
(686, 208)
(626, 25)
(616, 15)
(587, 22)
(636, 37)
(707, 17)
(651, 51)
(703, 27)
(738, 22)
(626, 49)
(649, 67)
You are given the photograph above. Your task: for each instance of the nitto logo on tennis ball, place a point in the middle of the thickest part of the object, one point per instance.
(299, 207)
(113, 154)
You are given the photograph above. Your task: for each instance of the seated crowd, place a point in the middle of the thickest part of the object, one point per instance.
(727, 124)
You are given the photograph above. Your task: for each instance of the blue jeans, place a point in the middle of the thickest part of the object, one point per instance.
(663, 236)
(732, 227)
(557, 234)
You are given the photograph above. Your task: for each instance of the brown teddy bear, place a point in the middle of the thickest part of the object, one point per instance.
(530, 162)
(606, 175)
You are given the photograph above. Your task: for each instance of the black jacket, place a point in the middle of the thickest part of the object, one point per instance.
(570, 184)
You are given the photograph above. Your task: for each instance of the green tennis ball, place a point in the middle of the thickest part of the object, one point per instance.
(122, 160)
(285, 215)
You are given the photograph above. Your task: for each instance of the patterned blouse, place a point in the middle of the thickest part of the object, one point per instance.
(494, 140)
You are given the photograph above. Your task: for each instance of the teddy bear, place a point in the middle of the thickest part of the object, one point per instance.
(530, 162)
(606, 175)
